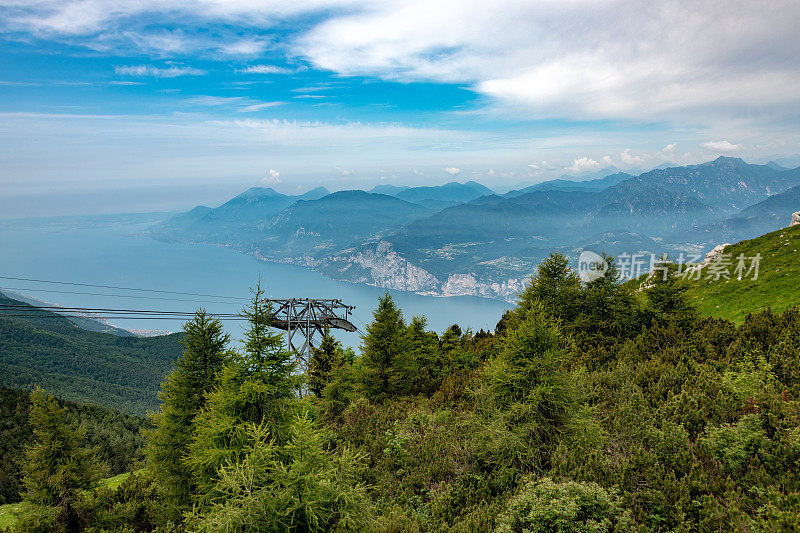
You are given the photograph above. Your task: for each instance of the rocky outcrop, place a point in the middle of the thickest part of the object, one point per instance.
(710, 256)
(795, 219)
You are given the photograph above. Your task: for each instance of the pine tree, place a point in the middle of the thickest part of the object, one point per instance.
(256, 387)
(608, 308)
(421, 366)
(296, 486)
(325, 360)
(556, 286)
(666, 294)
(57, 468)
(183, 395)
(382, 346)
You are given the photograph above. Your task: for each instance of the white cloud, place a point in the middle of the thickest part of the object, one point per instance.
(265, 69)
(668, 152)
(630, 160)
(452, 170)
(273, 177)
(721, 146)
(612, 58)
(259, 107)
(629, 59)
(343, 171)
(584, 164)
(216, 100)
(244, 47)
(171, 71)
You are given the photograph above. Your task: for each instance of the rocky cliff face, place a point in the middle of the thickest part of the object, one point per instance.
(795, 219)
(377, 263)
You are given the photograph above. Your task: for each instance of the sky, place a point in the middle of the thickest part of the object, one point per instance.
(140, 105)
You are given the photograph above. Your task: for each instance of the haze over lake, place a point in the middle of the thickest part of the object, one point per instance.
(116, 251)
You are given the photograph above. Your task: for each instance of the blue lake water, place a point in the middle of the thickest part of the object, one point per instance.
(119, 254)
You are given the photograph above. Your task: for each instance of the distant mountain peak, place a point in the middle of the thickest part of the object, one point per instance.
(259, 192)
(726, 160)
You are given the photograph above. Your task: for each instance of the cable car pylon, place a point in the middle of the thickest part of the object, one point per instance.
(308, 316)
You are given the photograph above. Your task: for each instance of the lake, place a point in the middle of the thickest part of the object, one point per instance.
(116, 251)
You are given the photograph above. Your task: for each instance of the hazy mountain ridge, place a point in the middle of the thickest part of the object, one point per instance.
(456, 240)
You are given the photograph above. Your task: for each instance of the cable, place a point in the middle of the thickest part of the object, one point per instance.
(97, 318)
(125, 288)
(53, 291)
(90, 309)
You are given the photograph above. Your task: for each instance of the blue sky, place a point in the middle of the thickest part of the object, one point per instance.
(113, 105)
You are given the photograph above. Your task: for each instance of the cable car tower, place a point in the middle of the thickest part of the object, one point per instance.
(308, 316)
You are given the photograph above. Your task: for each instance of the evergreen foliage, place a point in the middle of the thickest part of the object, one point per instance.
(324, 364)
(183, 395)
(297, 486)
(381, 350)
(57, 468)
(256, 387)
(115, 436)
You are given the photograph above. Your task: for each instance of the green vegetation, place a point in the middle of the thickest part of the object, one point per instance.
(8, 514)
(115, 436)
(591, 407)
(777, 286)
(43, 349)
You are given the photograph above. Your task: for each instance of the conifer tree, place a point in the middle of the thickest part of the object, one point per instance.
(183, 396)
(256, 387)
(382, 346)
(58, 468)
(556, 286)
(666, 294)
(422, 364)
(325, 360)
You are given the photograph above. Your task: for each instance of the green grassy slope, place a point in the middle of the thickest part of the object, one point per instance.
(777, 286)
(46, 350)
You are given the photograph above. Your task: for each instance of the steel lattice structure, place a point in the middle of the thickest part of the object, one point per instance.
(308, 316)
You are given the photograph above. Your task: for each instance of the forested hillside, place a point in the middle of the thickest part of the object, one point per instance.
(116, 436)
(39, 348)
(590, 407)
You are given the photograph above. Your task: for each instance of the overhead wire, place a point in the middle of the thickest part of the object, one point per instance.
(124, 288)
(54, 291)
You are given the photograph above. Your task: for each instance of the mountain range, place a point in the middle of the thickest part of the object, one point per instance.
(463, 238)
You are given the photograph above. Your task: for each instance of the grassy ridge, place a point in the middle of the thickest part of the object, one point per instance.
(777, 285)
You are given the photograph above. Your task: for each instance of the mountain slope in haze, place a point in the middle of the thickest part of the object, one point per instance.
(44, 349)
(391, 190)
(728, 184)
(654, 210)
(449, 192)
(241, 214)
(763, 217)
(562, 184)
(336, 220)
(461, 239)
